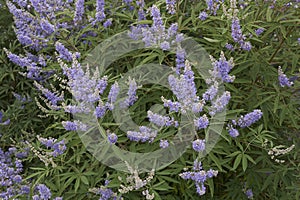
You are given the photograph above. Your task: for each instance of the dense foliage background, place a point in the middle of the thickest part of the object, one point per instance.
(263, 162)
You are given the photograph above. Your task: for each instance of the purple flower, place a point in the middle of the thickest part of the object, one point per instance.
(171, 6)
(238, 36)
(220, 103)
(107, 23)
(246, 46)
(211, 173)
(197, 165)
(102, 84)
(222, 68)
(100, 111)
(44, 191)
(250, 118)
(283, 80)
(79, 11)
(7, 122)
(160, 120)
(47, 142)
(157, 21)
(197, 107)
(259, 31)
(213, 6)
(100, 15)
(59, 148)
(229, 47)
(74, 126)
(184, 89)
(47, 26)
(35, 197)
(143, 135)
(21, 61)
(203, 16)
(172, 30)
(131, 94)
(173, 106)
(201, 122)
(53, 98)
(198, 145)
(17, 179)
(236, 31)
(180, 59)
(112, 138)
(249, 194)
(25, 189)
(64, 53)
(233, 132)
(211, 92)
(112, 96)
(163, 144)
(141, 14)
(200, 188)
(106, 193)
(165, 45)
(199, 176)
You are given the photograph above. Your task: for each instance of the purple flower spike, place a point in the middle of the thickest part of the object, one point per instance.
(283, 80)
(163, 144)
(199, 145)
(250, 118)
(112, 138)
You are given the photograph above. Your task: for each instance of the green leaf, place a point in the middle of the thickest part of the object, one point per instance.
(269, 14)
(211, 40)
(237, 161)
(169, 179)
(84, 180)
(216, 161)
(211, 186)
(234, 154)
(250, 159)
(244, 162)
(263, 101)
(77, 184)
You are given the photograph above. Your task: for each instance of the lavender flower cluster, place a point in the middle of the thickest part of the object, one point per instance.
(171, 6)
(33, 31)
(283, 80)
(43, 27)
(58, 147)
(184, 88)
(212, 7)
(199, 176)
(11, 182)
(236, 30)
(131, 94)
(238, 35)
(160, 120)
(143, 135)
(199, 145)
(33, 64)
(157, 34)
(105, 192)
(243, 122)
(43, 193)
